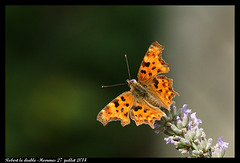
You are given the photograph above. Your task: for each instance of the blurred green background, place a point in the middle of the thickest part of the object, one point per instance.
(58, 57)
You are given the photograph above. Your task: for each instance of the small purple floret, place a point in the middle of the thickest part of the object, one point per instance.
(222, 144)
(186, 111)
(169, 140)
(195, 120)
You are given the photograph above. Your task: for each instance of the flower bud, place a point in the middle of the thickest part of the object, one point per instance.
(175, 129)
(197, 152)
(199, 132)
(209, 143)
(185, 120)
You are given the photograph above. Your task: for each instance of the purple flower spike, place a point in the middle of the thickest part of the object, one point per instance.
(178, 118)
(189, 126)
(195, 120)
(169, 140)
(156, 126)
(222, 144)
(157, 131)
(186, 111)
(182, 129)
(184, 106)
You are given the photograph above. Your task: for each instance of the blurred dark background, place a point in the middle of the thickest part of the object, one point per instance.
(58, 57)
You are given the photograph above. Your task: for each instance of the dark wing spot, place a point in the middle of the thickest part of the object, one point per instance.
(145, 111)
(161, 61)
(153, 63)
(153, 68)
(155, 83)
(145, 64)
(127, 104)
(169, 97)
(126, 114)
(107, 107)
(136, 108)
(117, 111)
(122, 109)
(116, 102)
(158, 71)
(150, 74)
(115, 118)
(143, 71)
(123, 99)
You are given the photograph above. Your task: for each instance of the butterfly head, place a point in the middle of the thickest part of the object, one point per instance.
(131, 82)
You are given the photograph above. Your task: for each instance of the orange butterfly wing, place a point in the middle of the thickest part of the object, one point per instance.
(161, 88)
(152, 64)
(158, 85)
(142, 113)
(117, 109)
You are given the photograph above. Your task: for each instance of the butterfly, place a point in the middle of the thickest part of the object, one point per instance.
(146, 96)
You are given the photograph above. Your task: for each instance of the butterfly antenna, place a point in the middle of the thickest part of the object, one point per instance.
(128, 67)
(104, 86)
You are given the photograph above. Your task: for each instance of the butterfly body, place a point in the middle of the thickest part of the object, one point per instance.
(141, 93)
(146, 96)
